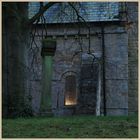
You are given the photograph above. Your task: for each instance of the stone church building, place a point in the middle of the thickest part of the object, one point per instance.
(83, 59)
(88, 68)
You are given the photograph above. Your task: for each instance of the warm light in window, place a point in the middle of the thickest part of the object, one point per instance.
(70, 101)
(70, 90)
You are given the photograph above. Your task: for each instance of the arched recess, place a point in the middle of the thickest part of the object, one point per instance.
(70, 95)
(70, 88)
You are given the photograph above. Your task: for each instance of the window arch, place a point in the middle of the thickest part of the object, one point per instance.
(70, 90)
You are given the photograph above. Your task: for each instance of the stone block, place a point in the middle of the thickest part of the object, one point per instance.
(36, 95)
(116, 71)
(116, 48)
(117, 94)
(114, 29)
(117, 112)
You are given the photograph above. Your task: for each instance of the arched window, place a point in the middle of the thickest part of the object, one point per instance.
(70, 90)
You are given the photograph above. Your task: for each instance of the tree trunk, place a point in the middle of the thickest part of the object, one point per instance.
(15, 38)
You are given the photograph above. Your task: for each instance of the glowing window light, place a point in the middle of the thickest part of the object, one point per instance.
(70, 90)
(70, 100)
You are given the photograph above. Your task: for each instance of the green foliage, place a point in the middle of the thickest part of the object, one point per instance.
(71, 127)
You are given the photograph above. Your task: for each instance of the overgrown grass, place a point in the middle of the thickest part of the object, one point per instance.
(71, 127)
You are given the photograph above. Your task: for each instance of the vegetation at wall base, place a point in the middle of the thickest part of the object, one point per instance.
(71, 127)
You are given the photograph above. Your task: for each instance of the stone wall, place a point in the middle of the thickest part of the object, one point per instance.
(116, 55)
(132, 27)
(68, 61)
(88, 88)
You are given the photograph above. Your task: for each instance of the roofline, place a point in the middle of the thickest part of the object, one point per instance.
(96, 23)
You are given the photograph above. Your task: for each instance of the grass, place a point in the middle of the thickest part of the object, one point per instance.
(71, 127)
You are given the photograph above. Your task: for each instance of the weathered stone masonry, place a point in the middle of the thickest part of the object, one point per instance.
(116, 59)
(132, 8)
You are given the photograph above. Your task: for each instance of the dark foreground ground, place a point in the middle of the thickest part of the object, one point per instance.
(71, 127)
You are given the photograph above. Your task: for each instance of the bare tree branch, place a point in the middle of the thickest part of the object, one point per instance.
(41, 11)
(77, 13)
(80, 17)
